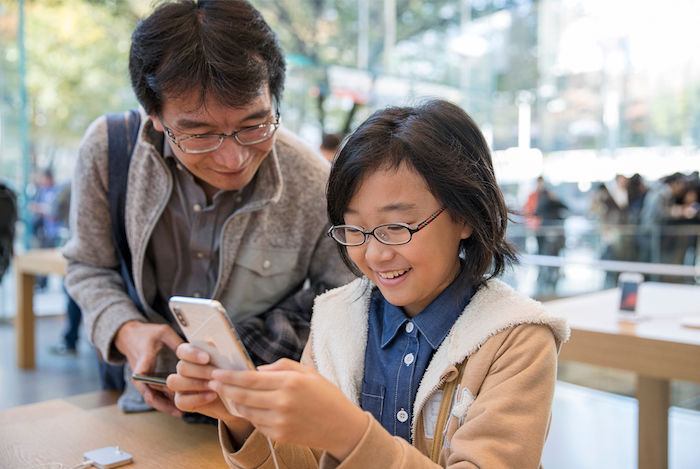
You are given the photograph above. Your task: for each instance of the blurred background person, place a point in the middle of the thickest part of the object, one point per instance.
(611, 217)
(659, 244)
(44, 226)
(329, 145)
(551, 240)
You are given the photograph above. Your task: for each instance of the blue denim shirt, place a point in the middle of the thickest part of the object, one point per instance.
(399, 350)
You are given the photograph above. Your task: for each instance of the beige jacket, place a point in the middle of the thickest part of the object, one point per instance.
(500, 411)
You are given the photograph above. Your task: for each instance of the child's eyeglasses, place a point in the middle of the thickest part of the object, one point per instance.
(388, 233)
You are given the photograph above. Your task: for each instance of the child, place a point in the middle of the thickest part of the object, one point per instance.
(426, 358)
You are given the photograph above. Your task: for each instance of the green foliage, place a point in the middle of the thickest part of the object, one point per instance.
(77, 56)
(76, 64)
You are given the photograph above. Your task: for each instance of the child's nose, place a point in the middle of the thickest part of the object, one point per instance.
(376, 251)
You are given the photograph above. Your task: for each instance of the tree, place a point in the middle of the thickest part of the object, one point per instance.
(76, 66)
(318, 34)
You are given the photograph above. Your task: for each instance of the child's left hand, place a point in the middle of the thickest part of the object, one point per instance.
(292, 403)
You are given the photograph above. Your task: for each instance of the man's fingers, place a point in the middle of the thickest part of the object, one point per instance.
(170, 338)
(162, 402)
(157, 399)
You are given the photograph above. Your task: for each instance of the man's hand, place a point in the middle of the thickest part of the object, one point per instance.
(140, 343)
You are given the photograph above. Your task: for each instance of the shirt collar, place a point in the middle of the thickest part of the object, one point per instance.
(436, 320)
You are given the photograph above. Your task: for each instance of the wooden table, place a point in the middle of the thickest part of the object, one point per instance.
(61, 430)
(27, 266)
(657, 348)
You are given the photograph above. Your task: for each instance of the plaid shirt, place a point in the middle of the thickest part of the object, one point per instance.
(281, 331)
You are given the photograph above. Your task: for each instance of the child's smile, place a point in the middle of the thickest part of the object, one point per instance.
(392, 277)
(410, 275)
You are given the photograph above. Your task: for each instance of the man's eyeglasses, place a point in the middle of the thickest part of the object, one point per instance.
(388, 233)
(209, 142)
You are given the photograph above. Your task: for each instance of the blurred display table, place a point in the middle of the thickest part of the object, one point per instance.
(61, 430)
(656, 347)
(27, 266)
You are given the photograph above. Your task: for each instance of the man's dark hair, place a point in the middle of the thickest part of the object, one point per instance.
(442, 144)
(222, 49)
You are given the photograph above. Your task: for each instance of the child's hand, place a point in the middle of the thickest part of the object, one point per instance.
(192, 393)
(292, 403)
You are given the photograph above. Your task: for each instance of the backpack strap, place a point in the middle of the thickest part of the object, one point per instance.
(122, 135)
(444, 412)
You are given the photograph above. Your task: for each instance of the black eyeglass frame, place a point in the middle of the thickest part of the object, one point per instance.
(366, 234)
(273, 125)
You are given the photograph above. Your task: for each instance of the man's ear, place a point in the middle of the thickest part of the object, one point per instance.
(156, 123)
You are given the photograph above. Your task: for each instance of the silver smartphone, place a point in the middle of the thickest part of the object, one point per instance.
(207, 326)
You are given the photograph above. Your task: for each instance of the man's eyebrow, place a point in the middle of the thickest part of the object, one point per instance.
(187, 123)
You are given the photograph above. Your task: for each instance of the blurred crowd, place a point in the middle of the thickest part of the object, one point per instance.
(642, 221)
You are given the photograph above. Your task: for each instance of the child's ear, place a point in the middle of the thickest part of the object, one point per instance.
(466, 231)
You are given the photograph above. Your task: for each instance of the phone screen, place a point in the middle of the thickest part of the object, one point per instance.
(628, 297)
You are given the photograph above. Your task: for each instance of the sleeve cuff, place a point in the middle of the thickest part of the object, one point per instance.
(376, 448)
(105, 331)
(254, 452)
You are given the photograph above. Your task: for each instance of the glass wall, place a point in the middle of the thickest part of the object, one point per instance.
(575, 91)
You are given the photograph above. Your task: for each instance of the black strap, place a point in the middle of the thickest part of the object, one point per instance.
(122, 133)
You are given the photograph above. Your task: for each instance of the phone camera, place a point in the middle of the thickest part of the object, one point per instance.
(180, 317)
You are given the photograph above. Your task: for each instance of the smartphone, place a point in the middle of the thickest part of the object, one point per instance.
(207, 326)
(154, 378)
(628, 283)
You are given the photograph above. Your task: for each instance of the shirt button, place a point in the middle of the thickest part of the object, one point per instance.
(179, 166)
(196, 294)
(238, 199)
(266, 264)
(402, 416)
(200, 255)
(408, 359)
(409, 327)
(197, 208)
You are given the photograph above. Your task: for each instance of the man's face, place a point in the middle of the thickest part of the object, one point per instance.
(231, 166)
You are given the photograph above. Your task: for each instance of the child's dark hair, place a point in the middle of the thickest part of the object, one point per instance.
(443, 144)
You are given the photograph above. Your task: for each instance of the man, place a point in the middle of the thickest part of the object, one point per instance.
(220, 202)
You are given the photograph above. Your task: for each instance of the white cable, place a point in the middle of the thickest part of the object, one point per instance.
(272, 450)
(84, 465)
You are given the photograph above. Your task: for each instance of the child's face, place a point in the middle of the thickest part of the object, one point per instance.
(410, 275)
